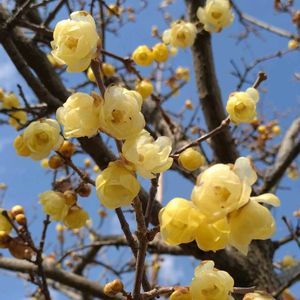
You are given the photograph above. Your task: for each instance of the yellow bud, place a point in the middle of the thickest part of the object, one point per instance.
(10, 101)
(145, 88)
(173, 51)
(181, 293)
(108, 70)
(70, 197)
(45, 163)
(3, 186)
(55, 162)
(160, 52)
(113, 288)
(76, 218)
(292, 173)
(114, 10)
(143, 56)
(87, 163)
(293, 44)
(191, 159)
(17, 119)
(288, 261)
(17, 210)
(262, 129)
(182, 74)
(67, 149)
(188, 104)
(21, 219)
(102, 213)
(90, 75)
(96, 169)
(59, 227)
(276, 130)
(21, 147)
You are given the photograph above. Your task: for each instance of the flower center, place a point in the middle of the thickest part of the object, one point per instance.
(216, 15)
(240, 107)
(181, 36)
(42, 138)
(71, 42)
(117, 116)
(222, 193)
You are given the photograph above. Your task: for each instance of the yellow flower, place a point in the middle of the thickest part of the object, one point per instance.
(179, 221)
(160, 52)
(17, 119)
(213, 237)
(143, 56)
(145, 88)
(288, 261)
(149, 157)
(252, 222)
(121, 114)
(79, 115)
(210, 283)
(20, 146)
(258, 296)
(10, 101)
(76, 218)
(108, 70)
(241, 106)
(191, 159)
(116, 186)
(182, 34)
(181, 293)
(54, 204)
(75, 41)
(182, 73)
(215, 15)
(4, 224)
(276, 129)
(41, 137)
(222, 188)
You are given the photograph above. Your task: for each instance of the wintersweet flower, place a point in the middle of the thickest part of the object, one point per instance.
(179, 221)
(76, 217)
(75, 41)
(4, 224)
(222, 188)
(10, 101)
(145, 88)
(149, 157)
(181, 293)
(160, 52)
(215, 15)
(55, 205)
(20, 146)
(143, 56)
(210, 283)
(258, 296)
(213, 237)
(120, 114)
(79, 115)
(253, 221)
(17, 119)
(116, 186)
(241, 106)
(181, 34)
(42, 136)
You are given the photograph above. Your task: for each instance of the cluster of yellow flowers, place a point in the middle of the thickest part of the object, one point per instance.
(144, 56)
(11, 101)
(215, 15)
(62, 207)
(241, 106)
(221, 212)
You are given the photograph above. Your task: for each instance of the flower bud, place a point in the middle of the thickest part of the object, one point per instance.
(191, 159)
(293, 44)
(55, 162)
(84, 189)
(67, 149)
(145, 88)
(17, 210)
(143, 56)
(21, 219)
(113, 288)
(108, 70)
(45, 163)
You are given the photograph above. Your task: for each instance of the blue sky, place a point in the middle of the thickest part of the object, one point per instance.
(26, 179)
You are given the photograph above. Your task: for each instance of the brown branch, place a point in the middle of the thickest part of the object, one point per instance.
(58, 275)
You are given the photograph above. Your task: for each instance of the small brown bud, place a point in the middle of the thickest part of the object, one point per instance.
(113, 288)
(17, 210)
(21, 219)
(67, 149)
(55, 162)
(84, 190)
